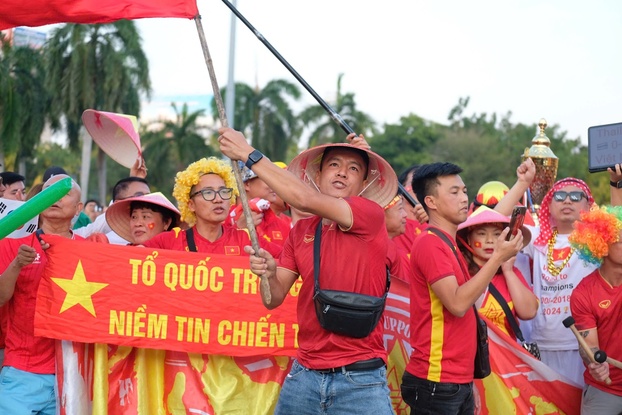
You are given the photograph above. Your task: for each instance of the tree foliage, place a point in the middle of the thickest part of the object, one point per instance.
(265, 116)
(171, 145)
(99, 66)
(323, 129)
(24, 102)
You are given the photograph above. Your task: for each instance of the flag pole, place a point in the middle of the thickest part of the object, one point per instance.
(333, 114)
(265, 285)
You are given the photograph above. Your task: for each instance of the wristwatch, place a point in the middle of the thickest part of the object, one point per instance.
(253, 158)
(617, 185)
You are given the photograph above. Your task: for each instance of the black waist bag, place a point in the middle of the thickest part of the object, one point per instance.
(482, 359)
(342, 312)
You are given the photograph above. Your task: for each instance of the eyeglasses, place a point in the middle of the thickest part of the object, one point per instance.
(560, 196)
(225, 193)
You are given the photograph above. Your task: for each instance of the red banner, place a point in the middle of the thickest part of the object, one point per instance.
(172, 300)
(42, 12)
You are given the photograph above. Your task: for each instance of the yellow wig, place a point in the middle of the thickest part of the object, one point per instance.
(184, 180)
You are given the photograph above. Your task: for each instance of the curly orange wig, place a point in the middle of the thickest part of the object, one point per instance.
(595, 232)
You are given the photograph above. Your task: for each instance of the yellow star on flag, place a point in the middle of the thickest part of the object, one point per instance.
(79, 290)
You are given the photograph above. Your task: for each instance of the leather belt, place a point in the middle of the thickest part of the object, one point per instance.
(360, 365)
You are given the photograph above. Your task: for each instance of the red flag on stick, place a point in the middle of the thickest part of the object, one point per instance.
(42, 12)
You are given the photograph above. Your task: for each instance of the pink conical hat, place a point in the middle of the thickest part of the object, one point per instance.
(116, 134)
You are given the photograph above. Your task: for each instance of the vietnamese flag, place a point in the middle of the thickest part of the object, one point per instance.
(42, 12)
(561, 254)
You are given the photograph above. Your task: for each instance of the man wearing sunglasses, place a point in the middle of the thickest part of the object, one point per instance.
(557, 269)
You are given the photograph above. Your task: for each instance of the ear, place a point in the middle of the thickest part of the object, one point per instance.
(191, 205)
(430, 202)
(79, 207)
(167, 223)
(247, 187)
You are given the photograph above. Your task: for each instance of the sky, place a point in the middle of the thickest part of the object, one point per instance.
(558, 60)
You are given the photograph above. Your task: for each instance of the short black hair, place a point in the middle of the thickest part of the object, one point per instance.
(425, 180)
(124, 184)
(9, 177)
(52, 171)
(166, 213)
(355, 150)
(403, 177)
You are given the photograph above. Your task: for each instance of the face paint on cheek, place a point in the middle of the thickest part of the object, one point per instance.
(477, 244)
(150, 226)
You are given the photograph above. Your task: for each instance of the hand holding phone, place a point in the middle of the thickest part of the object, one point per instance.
(516, 221)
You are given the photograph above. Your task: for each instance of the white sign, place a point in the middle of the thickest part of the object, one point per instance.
(6, 207)
(604, 145)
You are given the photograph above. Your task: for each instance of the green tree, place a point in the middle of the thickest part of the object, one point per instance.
(489, 147)
(101, 66)
(407, 142)
(265, 116)
(325, 130)
(171, 145)
(24, 102)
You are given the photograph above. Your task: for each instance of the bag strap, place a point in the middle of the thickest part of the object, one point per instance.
(190, 240)
(316, 261)
(444, 237)
(508, 313)
(316, 256)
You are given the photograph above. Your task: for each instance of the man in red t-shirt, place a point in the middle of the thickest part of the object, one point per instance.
(345, 374)
(596, 306)
(268, 224)
(439, 376)
(27, 378)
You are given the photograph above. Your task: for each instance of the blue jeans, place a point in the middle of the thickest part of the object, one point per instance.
(308, 392)
(432, 398)
(25, 393)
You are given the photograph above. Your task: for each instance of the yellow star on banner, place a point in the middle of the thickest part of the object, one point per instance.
(79, 290)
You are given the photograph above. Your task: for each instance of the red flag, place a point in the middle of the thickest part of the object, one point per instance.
(42, 12)
(159, 299)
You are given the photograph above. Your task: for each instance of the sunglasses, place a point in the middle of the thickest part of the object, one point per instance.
(560, 196)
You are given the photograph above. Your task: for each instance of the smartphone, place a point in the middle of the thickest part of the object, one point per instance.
(516, 221)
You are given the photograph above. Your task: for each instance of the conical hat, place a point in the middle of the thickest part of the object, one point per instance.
(116, 134)
(485, 215)
(382, 180)
(118, 214)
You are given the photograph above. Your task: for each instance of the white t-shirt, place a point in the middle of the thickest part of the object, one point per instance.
(553, 292)
(98, 226)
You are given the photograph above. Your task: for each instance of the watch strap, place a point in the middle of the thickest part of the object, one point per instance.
(253, 158)
(617, 185)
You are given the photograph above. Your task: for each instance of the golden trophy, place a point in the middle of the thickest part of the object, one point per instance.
(546, 168)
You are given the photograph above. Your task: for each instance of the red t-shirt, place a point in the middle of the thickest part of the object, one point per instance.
(24, 350)
(491, 309)
(4, 321)
(595, 304)
(443, 344)
(231, 242)
(413, 230)
(398, 261)
(272, 228)
(352, 260)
